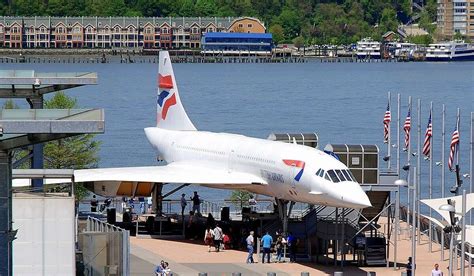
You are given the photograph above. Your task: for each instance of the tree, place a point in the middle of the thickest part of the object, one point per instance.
(290, 22)
(277, 33)
(388, 21)
(205, 7)
(240, 198)
(421, 39)
(77, 152)
(298, 42)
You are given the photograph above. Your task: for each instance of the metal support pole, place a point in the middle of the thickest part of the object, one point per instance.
(451, 248)
(6, 238)
(389, 141)
(408, 149)
(431, 179)
(470, 177)
(418, 177)
(37, 161)
(413, 229)
(397, 228)
(398, 135)
(463, 234)
(342, 238)
(443, 176)
(336, 243)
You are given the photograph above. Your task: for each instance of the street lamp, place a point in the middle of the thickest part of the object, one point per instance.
(398, 183)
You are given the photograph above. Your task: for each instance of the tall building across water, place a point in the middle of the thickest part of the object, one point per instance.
(455, 16)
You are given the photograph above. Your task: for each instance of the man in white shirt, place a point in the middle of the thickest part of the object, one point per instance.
(436, 271)
(250, 242)
(218, 237)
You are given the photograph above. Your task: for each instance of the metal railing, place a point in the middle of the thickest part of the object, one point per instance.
(122, 249)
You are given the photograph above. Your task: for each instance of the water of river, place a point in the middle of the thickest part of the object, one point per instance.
(342, 102)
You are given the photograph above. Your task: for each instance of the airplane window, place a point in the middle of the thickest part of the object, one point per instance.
(352, 176)
(326, 176)
(321, 173)
(317, 173)
(333, 176)
(340, 175)
(347, 175)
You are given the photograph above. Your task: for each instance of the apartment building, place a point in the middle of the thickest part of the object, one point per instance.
(455, 16)
(117, 32)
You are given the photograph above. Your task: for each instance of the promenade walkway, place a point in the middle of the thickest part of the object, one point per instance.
(190, 258)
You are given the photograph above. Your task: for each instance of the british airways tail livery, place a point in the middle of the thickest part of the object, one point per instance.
(227, 161)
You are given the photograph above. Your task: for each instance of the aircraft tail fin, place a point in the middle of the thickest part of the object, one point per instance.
(170, 112)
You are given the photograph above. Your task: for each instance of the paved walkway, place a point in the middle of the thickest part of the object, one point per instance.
(190, 258)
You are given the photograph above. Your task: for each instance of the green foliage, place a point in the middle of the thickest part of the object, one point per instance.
(421, 39)
(78, 152)
(277, 32)
(205, 7)
(425, 22)
(9, 104)
(240, 198)
(298, 42)
(388, 21)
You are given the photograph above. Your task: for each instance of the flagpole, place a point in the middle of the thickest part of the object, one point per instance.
(459, 144)
(398, 135)
(471, 176)
(431, 176)
(418, 170)
(389, 141)
(442, 166)
(408, 149)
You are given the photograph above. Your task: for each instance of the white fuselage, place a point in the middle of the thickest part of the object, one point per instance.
(263, 158)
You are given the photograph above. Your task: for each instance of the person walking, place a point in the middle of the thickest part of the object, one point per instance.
(436, 271)
(196, 203)
(209, 237)
(292, 242)
(218, 237)
(409, 266)
(279, 248)
(250, 241)
(183, 204)
(267, 241)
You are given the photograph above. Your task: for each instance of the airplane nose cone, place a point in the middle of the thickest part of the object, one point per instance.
(356, 198)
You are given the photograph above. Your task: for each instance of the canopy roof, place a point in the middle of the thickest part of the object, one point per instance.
(437, 202)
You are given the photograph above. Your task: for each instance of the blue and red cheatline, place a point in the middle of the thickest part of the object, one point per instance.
(297, 164)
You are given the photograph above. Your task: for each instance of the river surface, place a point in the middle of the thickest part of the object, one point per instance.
(341, 102)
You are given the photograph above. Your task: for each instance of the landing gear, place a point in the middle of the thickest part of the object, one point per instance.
(283, 212)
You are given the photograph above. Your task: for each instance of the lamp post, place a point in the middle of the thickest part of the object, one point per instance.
(399, 183)
(450, 208)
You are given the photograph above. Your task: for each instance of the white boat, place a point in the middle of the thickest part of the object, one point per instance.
(450, 51)
(368, 49)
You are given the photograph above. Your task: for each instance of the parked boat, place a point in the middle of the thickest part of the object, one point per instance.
(450, 51)
(368, 49)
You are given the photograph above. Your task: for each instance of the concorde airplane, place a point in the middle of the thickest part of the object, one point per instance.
(286, 171)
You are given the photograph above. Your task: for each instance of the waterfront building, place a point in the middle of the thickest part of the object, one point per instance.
(455, 16)
(118, 32)
(237, 42)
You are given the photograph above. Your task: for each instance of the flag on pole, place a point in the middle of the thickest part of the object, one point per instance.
(386, 124)
(454, 145)
(407, 128)
(428, 135)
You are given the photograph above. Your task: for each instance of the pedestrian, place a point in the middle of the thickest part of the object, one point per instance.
(292, 243)
(209, 237)
(183, 204)
(279, 248)
(409, 266)
(436, 271)
(267, 241)
(94, 203)
(249, 242)
(196, 203)
(218, 237)
(162, 269)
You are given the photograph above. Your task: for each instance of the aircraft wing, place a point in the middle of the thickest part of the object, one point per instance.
(139, 181)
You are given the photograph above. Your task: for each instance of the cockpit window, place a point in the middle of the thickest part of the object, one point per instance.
(317, 173)
(347, 175)
(326, 176)
(322, 173)
(333, 176)
(340, 175)
(352, 176)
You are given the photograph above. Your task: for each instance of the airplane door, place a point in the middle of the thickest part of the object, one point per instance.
(231, 160)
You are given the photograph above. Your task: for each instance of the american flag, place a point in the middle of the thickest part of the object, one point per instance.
(406, 128)
(386, 124)
(454, 146)
(428, 135)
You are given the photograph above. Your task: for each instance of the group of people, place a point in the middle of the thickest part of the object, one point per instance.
(163, 269)
(196, 203)
(215, 237)
(268, 243)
